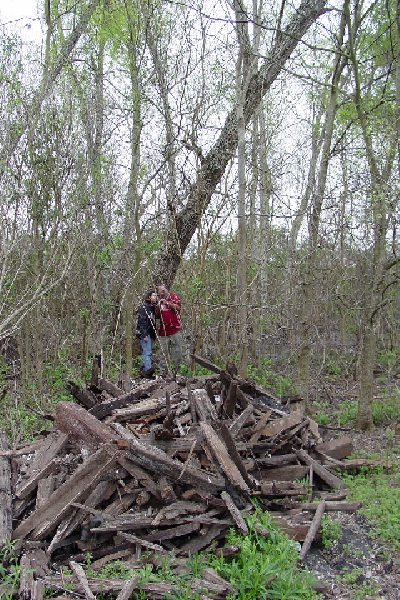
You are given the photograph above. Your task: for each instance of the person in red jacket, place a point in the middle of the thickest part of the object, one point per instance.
(169, 331)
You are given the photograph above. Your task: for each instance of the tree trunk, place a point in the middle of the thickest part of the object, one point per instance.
(214, 163)
(309, 281)
(17, 130)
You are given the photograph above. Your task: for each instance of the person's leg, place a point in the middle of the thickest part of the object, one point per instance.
(164, 357)
(146, 353)
(176, 349)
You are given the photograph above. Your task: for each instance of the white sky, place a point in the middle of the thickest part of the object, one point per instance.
(21, 16)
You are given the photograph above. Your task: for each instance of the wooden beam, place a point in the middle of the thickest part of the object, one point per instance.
(332, 480)
(5, 494)
(46, 517)
(222, 458)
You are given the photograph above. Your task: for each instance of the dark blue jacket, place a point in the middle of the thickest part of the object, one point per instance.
(146, 323)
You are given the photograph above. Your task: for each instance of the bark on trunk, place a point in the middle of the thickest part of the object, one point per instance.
(214, 163)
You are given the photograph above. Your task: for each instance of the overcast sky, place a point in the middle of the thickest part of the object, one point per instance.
(21, 16)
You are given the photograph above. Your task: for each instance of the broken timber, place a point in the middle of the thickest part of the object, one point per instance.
(168, 467)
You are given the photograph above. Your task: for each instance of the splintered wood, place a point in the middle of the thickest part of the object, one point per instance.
(167, 467)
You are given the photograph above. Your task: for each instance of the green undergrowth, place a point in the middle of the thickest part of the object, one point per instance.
(377, 489)
(9, 571)
(266, 567)
(384, 410)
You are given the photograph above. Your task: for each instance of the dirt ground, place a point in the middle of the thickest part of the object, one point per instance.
(359, 565)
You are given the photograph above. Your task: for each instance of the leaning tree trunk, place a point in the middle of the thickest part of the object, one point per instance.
(214, 163)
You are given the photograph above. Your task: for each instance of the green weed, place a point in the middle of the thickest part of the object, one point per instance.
(264, 567)
(331, 530)
(9, 571)
(352, 576)
(267, 376)
(346, 413)
(320, 412)
(386, 409)
(377, 490)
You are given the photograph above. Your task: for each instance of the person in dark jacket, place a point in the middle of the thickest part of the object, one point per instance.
(146, 332)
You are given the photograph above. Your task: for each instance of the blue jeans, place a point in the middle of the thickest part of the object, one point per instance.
(147, 351)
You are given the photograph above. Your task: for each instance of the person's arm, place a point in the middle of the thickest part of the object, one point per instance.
(173, 304)
(142, 322)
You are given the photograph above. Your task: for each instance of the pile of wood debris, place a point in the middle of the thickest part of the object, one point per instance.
(168, 466)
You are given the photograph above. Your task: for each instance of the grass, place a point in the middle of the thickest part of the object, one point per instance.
(9, 571)
(265, 567)
(331, 530)
(384, 410)
(378, 492)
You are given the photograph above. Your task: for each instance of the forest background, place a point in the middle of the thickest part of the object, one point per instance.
(245, 154)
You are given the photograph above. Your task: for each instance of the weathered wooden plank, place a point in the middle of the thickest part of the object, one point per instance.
(277, 426)
(223, 432)
(25, 488)
(101, 493)
(235, 512)
(26, 578)
(211, 575)
(81, 426)
(178, 510)
(332, 480)
(222, 458)
(5, 494)
(348, 464)
(330, 505)
(128, 588)
(260, 426)
(110, 388)
(279, 460)
(47, 516)
(339, 448)
(45, 488)
(81, 577)
(206, 363)
(113, 556)
(154, 590)
(147, 406)
(228, 407)
(39, 562)
(296, 531)
(315, 525)
(85, 397)
(202, 541)
(156, 461)
(282, 488)
(38, 590)
(204, 408)
(173, 532)
(134, 539)
(26, 449)
(104, 409)
(43, 463)
(241, 420)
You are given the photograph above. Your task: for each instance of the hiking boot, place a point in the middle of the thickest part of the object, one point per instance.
(149, 373)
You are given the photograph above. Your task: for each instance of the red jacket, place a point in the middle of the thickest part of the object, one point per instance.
(170, 319)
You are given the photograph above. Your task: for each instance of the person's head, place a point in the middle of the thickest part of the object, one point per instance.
(162, 291)
(151, 297)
